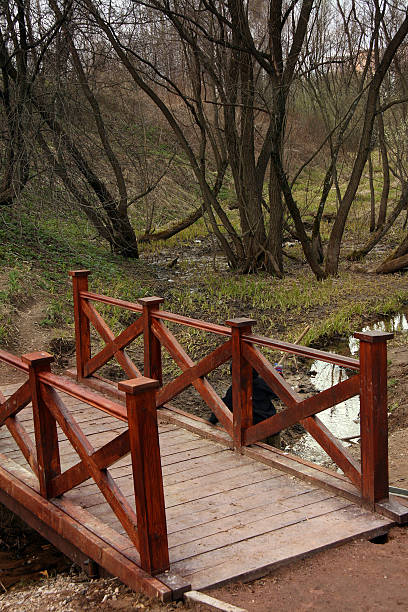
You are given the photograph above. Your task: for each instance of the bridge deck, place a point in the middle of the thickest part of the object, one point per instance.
(228, 515)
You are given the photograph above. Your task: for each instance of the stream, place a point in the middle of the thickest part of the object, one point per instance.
(343, 420)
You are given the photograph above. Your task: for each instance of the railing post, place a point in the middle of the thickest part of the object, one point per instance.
(241, 380)
(82, 328)
(147, 473)
(45, 427)
(152, 348)
(373, 415)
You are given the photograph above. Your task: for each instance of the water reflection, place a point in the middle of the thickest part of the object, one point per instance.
(342, 420)
(397, 323)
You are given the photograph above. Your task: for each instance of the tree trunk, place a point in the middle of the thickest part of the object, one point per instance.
(393, 265)
(382, 213)
(124, 240)
(275, 218)
(372, 193)
(174, 229)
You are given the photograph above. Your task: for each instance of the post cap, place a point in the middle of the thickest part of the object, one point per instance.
(373, 336)
(133, 386)
(79, 273)
(241, 322)
(37, 358)
(150, 301)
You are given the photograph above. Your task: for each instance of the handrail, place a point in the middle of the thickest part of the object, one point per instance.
(371, 476)
(105, 299)
(303, 351)
(223, 330)
(145, 525)
(93, 399)
(164, 315)
(13, 360)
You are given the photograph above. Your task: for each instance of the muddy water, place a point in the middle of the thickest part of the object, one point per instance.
(343, 420)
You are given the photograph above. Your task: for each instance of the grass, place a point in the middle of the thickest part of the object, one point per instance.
(38, 246)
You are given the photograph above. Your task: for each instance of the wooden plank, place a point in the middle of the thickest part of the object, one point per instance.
(97, 432)
(211, 467)
(90, 544)
(195, 424)
(198, 514)
(167, 450)
(199, 488)
(244, 560)
(195, 597)
(195, 488)
(246, 516)
(118, 541)
(193, 502)
(302, 469)
(394, 508)
(252, 530)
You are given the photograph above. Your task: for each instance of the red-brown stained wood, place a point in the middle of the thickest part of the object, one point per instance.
(241, 380)
(333, 448)
(24, 442)
(82, 393)
(209, 395)
(373, 415)
(16, 402)
(109, 337)
(152, 347)
(303, 351)
(45, 427)
(13, 360)
(303, 409)
(276, 382)
(84, 448)
(71, 529)
(105, 299)
(115, 345)
(209, 363)
(82, 330)
(147, 473)
(104, 457)
(9, 410)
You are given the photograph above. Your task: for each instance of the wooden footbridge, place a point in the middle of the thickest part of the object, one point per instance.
(125, 484)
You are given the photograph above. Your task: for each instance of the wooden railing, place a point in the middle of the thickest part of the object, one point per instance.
(146, 527)
(370, 475)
